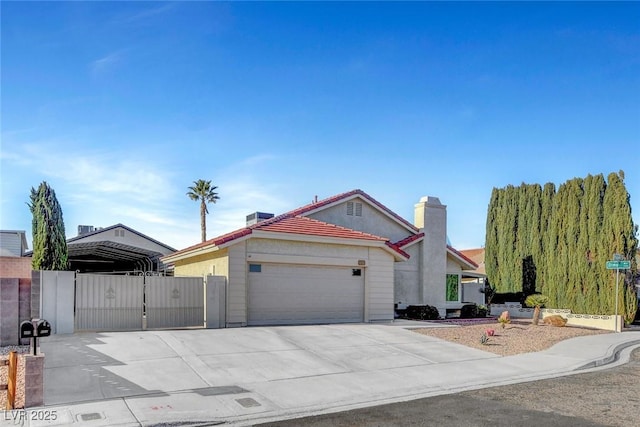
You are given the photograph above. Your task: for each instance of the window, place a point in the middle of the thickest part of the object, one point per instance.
(453, 288)
(255, 268)
(356, 272)
(350, 208)
(119, 233)
(358, 209)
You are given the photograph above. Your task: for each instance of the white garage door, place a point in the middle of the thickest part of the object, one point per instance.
(283, 294)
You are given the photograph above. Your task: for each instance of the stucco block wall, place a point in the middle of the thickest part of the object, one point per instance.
(379, 286)
(471, 293)
(371, 221)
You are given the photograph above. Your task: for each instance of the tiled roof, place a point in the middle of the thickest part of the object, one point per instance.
(300, 227)
(313, 227)
(294, 224)
(407, 240)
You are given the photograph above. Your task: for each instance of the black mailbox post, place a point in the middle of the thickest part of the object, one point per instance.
(34, 329)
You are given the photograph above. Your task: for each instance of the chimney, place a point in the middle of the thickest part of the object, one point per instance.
(431, 218)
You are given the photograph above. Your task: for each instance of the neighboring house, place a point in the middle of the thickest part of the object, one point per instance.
(477, 256)
(474, 281)
(13, 243)
(347, 258)
(115, 249)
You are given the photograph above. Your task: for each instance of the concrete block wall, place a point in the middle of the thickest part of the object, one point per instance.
(9, 311)
(15, 304)
(15, 267)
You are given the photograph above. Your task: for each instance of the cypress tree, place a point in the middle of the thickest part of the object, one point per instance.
(618, 238)
(508, 266)
(545, 240)
(594, 194)
(574, 258)
(556, 254)
(49, 241)
(529, 234)
(491, 238)
(561, 241)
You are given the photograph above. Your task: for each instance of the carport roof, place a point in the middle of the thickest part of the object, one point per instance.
(112, 251)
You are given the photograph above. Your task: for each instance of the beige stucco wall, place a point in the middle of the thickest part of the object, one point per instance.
(293, 248)
(371, 221)
(237, 285)
(407, 288)
(213, 263)
(379, 286)
(232, 263)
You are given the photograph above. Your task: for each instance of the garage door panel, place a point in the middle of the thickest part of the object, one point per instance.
(291, 294)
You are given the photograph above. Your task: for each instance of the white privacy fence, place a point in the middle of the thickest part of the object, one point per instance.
(96, 302)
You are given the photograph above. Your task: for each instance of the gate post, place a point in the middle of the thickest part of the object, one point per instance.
(216, 302)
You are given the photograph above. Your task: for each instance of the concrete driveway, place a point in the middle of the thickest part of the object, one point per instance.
(244, 375)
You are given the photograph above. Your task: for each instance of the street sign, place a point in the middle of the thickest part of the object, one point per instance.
(618, 265)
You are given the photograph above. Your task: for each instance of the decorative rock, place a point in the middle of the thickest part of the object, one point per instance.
(555, 320)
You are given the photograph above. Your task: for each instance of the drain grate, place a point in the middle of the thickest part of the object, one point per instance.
(217, 391)
(248, 402)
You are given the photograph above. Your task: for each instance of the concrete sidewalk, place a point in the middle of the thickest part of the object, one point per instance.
(252, 375)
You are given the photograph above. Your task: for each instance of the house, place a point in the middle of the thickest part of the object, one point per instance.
(347, 258)
(115, 249)
(13, 243)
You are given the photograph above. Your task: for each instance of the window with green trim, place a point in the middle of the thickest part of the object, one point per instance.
(453, 288)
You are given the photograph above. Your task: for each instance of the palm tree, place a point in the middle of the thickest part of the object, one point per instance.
(203, 191)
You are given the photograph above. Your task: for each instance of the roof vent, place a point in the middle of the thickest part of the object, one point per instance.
(85, 229)
(257, 217)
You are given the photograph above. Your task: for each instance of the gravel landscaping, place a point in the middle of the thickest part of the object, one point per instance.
(517, 337)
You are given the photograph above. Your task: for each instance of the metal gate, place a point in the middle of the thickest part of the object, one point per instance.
(118, 303)
(174, 302)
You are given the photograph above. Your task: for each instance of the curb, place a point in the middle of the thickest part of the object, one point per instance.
(614, 357)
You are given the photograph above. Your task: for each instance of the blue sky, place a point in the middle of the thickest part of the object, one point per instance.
(120, 106)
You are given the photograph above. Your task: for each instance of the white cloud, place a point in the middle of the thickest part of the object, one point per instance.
(106, 62)
(144, 14)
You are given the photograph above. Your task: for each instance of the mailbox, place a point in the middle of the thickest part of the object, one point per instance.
(44, 328)
(26, 329)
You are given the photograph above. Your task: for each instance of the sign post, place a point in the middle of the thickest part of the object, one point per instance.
(618, 264)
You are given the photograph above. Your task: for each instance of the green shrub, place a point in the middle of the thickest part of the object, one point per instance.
(422, 312)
